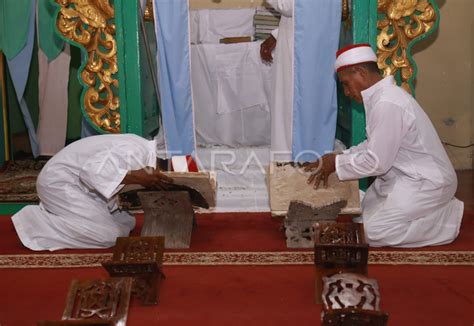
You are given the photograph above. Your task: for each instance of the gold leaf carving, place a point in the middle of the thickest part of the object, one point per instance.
(90, 23)
(403, 21)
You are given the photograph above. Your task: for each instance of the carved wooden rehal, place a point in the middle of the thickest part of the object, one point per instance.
(142, 259)
(339, 247)
(168, 214)
(352, 299)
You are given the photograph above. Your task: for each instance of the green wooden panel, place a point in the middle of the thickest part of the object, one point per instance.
(138, 103)
(351, 115)
(4, 137)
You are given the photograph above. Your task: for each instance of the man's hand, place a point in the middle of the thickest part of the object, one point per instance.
(266, 49)
(148, 178)
(321, 169)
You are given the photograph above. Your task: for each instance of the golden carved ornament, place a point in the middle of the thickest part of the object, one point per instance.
(345, 10)
(148, 14)
(403, 22)
(90, 24)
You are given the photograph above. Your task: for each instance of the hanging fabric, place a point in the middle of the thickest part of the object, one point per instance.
(282, 83)
(172, 33)
(53, 82)
(14, 16)
(19, 67)
(49, 42)
(317, 27)
(231, 88)
(53, 101)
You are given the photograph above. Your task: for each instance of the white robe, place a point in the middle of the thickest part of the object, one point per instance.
(77, 190)
(411, 203)
(282, 102)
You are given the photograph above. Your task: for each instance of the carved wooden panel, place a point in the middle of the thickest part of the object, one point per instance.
(352, 299)
(99, 300)
(353, 317)
(338, 247)
(340, 244)
(301, 218)
(142, 259)
(348, 290)
(168, 214)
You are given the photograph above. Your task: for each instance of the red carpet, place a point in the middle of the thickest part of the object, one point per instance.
(413, 296)
(245, 295)
(232, 232)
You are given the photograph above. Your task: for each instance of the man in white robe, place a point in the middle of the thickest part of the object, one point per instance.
(77, 189)
(411, 203)
(282, 41)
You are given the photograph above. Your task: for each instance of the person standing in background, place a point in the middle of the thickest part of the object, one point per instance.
(282, 43)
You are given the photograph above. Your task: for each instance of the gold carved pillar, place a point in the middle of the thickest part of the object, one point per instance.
(90, 25)
(401, 24)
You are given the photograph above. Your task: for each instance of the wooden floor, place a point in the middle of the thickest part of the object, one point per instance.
(466, 188)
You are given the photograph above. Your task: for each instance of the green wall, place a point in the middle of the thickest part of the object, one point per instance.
(3, 155)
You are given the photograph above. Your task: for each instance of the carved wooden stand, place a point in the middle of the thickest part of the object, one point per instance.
(301, 218)
(338, 247)
(96, 302)
(351, 299)
(168, 214)
(142, 259)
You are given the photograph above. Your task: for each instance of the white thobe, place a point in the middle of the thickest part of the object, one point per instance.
(282, 102)
(411, 203)
(77, 190)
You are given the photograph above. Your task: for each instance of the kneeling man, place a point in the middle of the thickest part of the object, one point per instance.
(77, 189)
(411, 203)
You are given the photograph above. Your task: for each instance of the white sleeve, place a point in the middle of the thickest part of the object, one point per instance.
(285, 7)
(357, 148)
(104, 171)
(388, 125)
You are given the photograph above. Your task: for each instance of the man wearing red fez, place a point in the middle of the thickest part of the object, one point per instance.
(411, 202)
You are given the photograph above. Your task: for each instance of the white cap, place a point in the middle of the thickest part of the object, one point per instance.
(353, 55)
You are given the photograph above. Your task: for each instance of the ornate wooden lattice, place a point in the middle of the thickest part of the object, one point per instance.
(338, 247)
(142, 259)
(90, 24)
(340, 244)
(401, 24)
(99, 301)
(352, 299)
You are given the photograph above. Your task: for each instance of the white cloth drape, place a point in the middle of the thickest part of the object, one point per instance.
(209, 26)
(53, 101)
(231, 89)
(411, 203)
(282, 87)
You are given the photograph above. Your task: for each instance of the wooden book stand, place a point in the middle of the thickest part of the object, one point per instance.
(352, 299)
(96, 302)
(338, 247)
(168, 214)
(142, 259)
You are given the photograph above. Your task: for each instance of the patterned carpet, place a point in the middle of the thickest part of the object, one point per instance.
(432, 258)
(18, 181)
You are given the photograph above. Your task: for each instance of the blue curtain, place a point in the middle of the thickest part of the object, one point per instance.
(19, 67)
(317, 27)
(172, 32)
